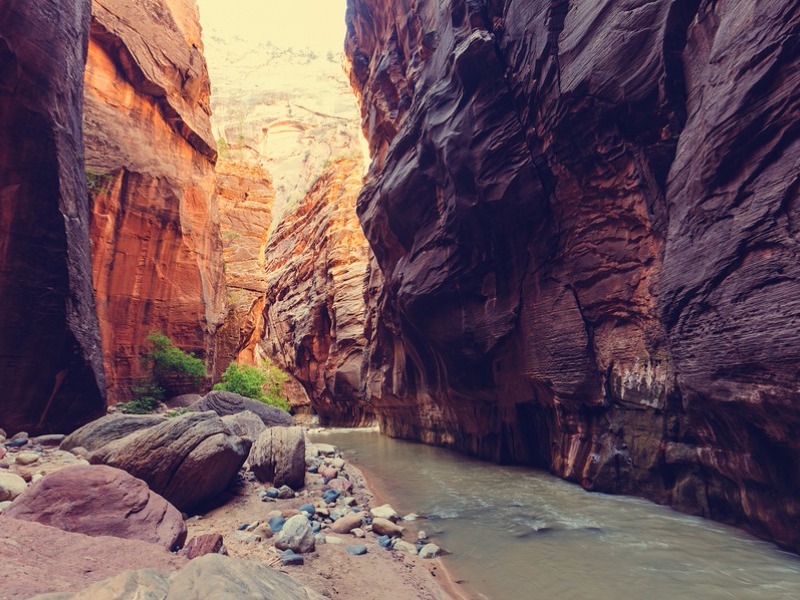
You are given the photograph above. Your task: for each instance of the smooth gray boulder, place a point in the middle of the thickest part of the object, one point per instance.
(188, 459)
(278, 456)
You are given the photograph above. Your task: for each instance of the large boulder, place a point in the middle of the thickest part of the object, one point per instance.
(107, 429)
(278, 456)
(210, 576)
(189, 459)
(228, 403)
(245, 424)
(38, 559)
(97, 501)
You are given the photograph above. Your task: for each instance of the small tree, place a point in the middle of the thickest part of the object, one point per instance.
(263, 383)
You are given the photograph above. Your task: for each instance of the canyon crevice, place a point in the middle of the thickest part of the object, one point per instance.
(50, 358)
(583, 215)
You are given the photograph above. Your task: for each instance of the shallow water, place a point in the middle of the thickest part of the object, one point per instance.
(517, 533)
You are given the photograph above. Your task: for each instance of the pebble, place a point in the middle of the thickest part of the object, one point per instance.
(385, 541)
(422, 536)
(429, 551)
(326, 449)
(411, 517)
(246, 538)
(285, 492)
(296, 535)
(331, 496)
(308, 508)
(289, 558)
(358, 532)
(320, 538)
(4, 505)
(18, 443)
(333, 540)
(337, 463)
(272, 492)
(357, 550)
(276, 524)
(315, 526)
(384, 512)
(386, 527)
(402, 546)
(349, 501)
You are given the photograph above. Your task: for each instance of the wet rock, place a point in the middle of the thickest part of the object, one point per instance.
(295, 535)
(278, 456)
(347, 523)
(99, 500)
(386, 527)
(210, 543)
(189, 459)
(384, 512)
(228, 403)
(430, 551)
(357, 550)
(11, 486)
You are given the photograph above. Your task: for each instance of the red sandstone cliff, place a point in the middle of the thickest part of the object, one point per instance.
(150, 155)
(584, 213)
(50, 360)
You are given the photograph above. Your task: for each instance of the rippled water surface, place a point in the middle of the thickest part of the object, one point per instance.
(515, 533)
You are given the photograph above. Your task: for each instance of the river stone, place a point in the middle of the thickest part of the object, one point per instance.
(210, 543)
(386, 527)
(27, 458)
(325, 449)
(276, 523)
(384, 512)
(11, 486)
(278, 456)
(285, 492)
(357, 550)
(107, 429)
(101, 501)
(189, 459)
(347, 523)
(402, 546)
(296, 535)
(228, 403)
(429, 551)
(245, 424)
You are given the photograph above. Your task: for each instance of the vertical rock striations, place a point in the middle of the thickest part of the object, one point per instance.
(583, 219)
(157, 257)
(50, 359)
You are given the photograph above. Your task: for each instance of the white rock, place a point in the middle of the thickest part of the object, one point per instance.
(430, 551)
(27, 458)
(333, 540)
(405, 547)
(358, 532)
(4, 505)
(411, 517)
(11, 486)
(384, 512)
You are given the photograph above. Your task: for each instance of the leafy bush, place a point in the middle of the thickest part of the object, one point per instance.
(264, 383)
(146, 397)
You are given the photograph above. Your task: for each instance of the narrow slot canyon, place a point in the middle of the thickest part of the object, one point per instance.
(553, 236)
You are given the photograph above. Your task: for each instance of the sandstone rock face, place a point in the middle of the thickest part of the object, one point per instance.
(314, 309)
(51, 363)
(101, 501)
(55, 560)
(188, 459)
(150, 154)
(278, 456)
(228, 403)
(583, 220)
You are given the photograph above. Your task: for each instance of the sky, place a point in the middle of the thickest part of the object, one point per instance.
(316, 24)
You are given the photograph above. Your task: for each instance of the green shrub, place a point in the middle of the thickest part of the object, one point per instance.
(264, 383)
(146, 397)
(171, 367)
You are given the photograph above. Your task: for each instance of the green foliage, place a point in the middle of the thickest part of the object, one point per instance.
(222, 147)
(171, 366)
(146, 397)
(95, 182)
(264, 383)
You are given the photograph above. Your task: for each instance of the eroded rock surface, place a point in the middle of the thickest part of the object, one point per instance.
(157, 255)
(97, 500)
(583, 217)
(51, 365)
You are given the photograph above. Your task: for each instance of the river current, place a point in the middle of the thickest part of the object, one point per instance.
(517, 533)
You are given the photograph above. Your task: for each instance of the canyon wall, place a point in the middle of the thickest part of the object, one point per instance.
(583, 216)
(50, 359)
(150, 156)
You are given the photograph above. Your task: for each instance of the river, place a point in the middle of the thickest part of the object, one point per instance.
(521, 534)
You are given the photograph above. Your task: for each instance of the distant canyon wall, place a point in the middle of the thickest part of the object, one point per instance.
(50, 359)
(150, 156)
(583, 216)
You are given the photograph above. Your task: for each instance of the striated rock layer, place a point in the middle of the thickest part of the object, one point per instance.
(314, 308)
(50, 359)
(584, 218)
(157, 256)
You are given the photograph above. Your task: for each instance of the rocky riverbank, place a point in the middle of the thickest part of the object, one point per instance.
(329, 535)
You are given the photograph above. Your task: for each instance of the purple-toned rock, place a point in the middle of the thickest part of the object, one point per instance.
(210, 543)
(98, 500)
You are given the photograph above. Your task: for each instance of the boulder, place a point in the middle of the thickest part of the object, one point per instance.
(210, 543)
(210, 576)
(386, 527)
(107, 429)
(189, 459)
(296, 535)
(384, 512)
(101, 501)
(11, 486)
(347, 523)
(278, 456)
(228, 403)
(246, 424)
